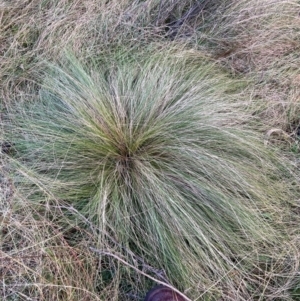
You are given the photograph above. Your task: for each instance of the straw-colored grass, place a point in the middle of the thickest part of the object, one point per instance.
(149, 158)
(261, 41)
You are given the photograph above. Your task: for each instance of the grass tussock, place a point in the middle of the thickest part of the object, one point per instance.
(154, 154)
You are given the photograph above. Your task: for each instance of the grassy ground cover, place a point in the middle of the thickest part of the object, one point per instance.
(149, 142)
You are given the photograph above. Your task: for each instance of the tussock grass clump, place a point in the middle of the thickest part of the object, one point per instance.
(153, 151)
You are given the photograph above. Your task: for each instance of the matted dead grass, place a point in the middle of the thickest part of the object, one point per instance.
(52, 252)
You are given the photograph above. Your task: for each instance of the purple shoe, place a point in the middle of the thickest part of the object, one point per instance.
(163, 293)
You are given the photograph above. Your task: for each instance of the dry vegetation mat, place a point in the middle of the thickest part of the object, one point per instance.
(149, 142)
